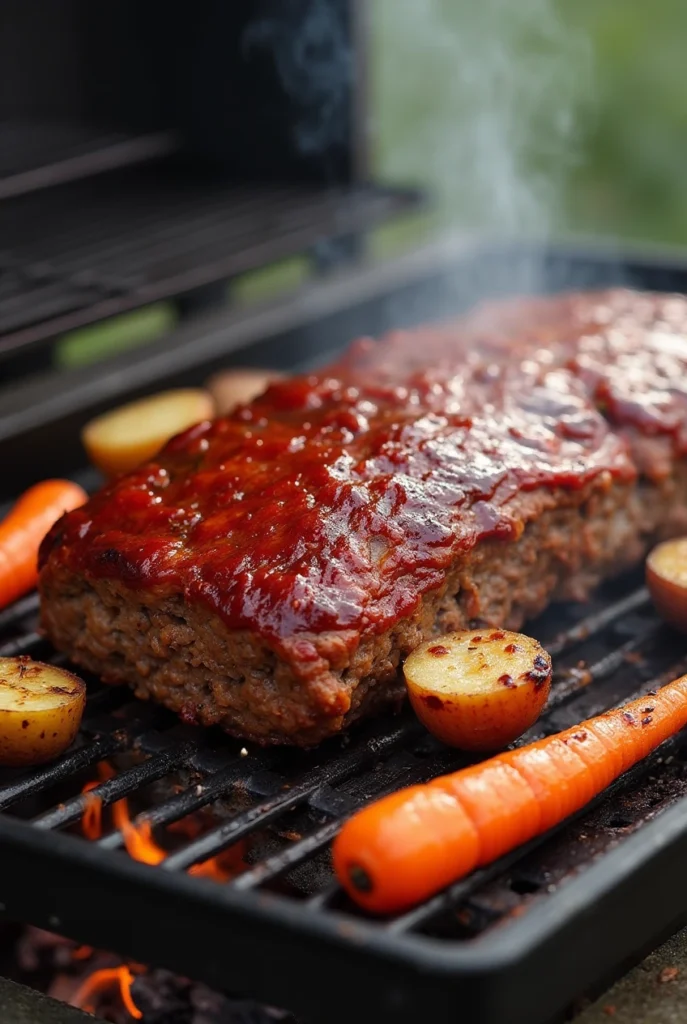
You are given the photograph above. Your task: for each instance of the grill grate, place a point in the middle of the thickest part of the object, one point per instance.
(290, 804)
(36, 155)
(72, 256)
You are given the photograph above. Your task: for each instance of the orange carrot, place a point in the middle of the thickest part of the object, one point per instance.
(22, 531)
(410, 845)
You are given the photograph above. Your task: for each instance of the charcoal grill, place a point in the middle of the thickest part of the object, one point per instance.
(516, 942)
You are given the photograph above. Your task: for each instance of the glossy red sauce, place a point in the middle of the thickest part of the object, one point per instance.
(629, 349)
(335, 501)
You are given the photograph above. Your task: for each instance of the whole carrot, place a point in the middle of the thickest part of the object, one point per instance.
(410, 845)
(22, 531)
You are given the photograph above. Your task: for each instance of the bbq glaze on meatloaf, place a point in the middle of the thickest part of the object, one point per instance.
(269, 571)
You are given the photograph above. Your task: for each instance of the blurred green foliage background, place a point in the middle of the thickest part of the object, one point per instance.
(634, 178)
(620, 73)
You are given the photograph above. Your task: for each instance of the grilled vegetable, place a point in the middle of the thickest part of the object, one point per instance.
(122, 439)
(478, 690)
(233, 387)
(666, 578)
(40, 711)
(22, 531)
(408, 846)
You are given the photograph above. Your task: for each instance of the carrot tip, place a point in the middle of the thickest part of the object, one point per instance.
(360, 879)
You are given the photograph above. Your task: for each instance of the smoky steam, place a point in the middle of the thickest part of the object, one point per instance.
(480, 101)
(481, 98)
(308, 43)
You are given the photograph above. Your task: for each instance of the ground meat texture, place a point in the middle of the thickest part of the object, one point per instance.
(269, 572)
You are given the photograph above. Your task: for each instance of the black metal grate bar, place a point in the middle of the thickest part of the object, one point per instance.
(286, 807)
(566, 910)
(456, 894)
(189, 800)
(122, 785)
(25, 644)
(130, 242)
(13, 614)
(600, 620)
(288, 797)
(35, 155)
(675, 670)
(299, 851)
(618, 657)
(580, 679)
(318, 789)
(408, 772)
(272, 867)
(59, 771)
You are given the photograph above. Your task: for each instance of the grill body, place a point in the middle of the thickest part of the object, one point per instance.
(257, 89)
(154, 152)
(514, 943)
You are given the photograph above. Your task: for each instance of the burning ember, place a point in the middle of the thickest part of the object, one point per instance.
(125, 992)
(87, 996)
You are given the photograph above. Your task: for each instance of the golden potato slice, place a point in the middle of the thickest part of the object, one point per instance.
(122, 439)
(479, 689)
(40, 711)
(230, 388)
(666, 578)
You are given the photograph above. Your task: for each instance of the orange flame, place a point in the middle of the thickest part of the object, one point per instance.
(92, 817)
(141, 846)
(82, 953)
(139, 842)
(227, 864)
(138, 837)
(101, 981)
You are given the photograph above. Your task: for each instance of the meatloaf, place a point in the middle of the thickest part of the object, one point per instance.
(268, 571)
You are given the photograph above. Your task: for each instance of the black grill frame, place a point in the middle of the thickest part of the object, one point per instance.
(137, 237)
(296, 953)
(317, 956)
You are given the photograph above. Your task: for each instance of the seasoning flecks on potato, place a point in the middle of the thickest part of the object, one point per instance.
(41, 707)
(478, 689)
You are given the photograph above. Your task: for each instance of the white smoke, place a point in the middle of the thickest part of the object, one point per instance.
(480, 99)
(314, 62)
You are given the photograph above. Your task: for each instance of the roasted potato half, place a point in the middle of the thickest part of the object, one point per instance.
(666, 578)
(40, 711)
(479, 689)
(230, 388)
(122, 439)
